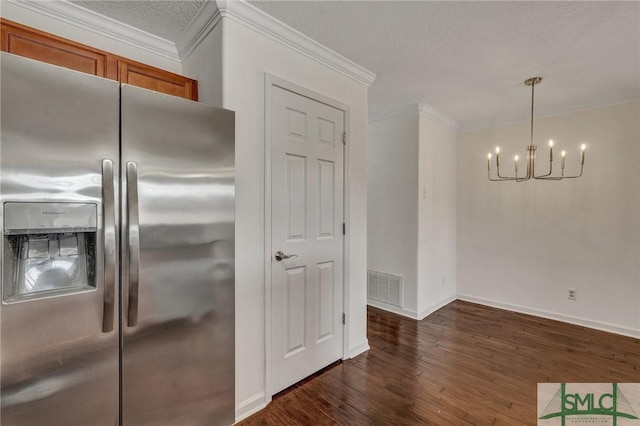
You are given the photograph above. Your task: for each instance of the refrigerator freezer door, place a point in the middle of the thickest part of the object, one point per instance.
(178, 261)
(58, 367)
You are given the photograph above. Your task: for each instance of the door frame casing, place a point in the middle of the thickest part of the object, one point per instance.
(270, 82)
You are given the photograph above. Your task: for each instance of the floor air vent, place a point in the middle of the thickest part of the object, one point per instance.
(385, 288)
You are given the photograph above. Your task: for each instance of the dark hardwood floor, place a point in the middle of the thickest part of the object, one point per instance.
(465, 364)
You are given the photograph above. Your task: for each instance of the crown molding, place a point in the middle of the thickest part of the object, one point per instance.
(416, 109)
(255, 19)
(431, 112)
(405, 111)
(207, 18)
(70, 13)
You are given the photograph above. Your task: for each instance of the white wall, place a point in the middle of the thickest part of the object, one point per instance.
(204, 64)
(412, 206)
(437, 213)
(392, 210)
(522, 245)
(247, 57)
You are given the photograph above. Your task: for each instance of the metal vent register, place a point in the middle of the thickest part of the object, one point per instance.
(385, 288)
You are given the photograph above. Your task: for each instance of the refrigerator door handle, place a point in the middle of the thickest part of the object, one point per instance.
(133, 240)
(109, 230)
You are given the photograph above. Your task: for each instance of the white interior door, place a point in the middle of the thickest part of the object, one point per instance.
(307, 216)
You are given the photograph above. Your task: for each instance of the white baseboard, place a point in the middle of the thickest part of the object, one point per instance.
(431, 309)
(250, 406)
(393, 309)
(598, 325)
(411, 314)
(357, 350)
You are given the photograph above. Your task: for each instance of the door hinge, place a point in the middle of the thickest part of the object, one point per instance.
(344, 138)
(344, 228)
(344, 318)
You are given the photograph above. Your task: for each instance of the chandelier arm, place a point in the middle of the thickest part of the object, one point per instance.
(576, 176)
(506, 178)
(499, 178)
(550, 177)
(516, 178)
(548, 174)
(499, 175)
(503, 177)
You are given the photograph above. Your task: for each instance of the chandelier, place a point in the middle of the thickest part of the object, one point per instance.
(531, 156)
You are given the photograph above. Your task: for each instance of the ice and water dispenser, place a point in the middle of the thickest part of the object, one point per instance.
(49, 249)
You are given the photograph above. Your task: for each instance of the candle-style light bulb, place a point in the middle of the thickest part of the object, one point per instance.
(550, 143)
(564, 159)
(489, 161)
(516, 163)
(497, 156)
(582, 147)
(551, 150)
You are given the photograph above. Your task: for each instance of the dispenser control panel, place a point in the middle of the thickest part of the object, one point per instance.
(21, 218)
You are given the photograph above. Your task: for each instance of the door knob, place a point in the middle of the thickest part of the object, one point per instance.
(281, 256)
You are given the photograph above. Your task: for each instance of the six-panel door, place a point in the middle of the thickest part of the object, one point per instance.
(307, 217)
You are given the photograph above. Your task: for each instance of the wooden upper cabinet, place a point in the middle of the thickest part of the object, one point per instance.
(25, 41)
(151, 78)
(35, 44)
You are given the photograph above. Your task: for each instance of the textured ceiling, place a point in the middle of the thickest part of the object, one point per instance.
(466, 59)
(469, 59)
(163, 18)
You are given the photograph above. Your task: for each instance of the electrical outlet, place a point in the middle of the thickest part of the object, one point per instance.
(572, 294)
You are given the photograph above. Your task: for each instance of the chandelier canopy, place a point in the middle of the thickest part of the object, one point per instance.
(531, 155)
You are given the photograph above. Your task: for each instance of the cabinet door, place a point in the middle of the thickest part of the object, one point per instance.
(24, 41)
(151, 78)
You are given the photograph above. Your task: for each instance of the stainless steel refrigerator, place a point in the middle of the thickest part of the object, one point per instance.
(117, 207)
